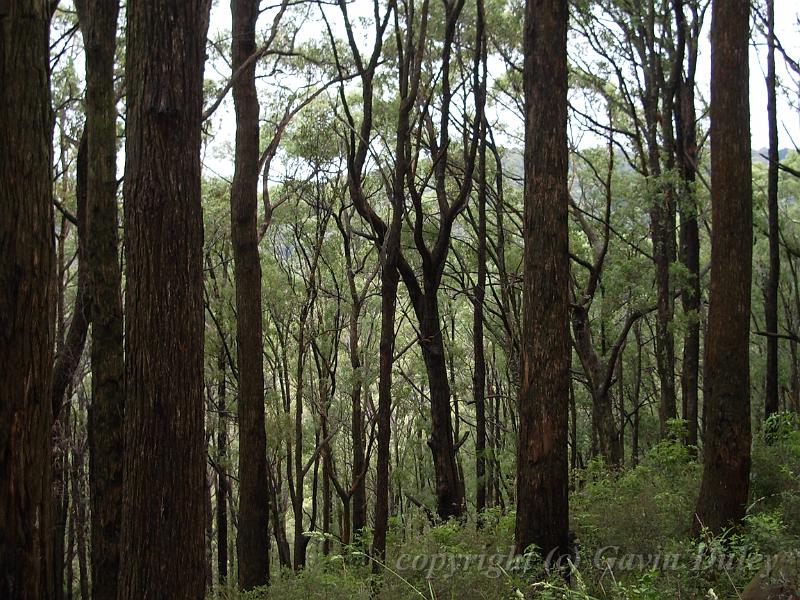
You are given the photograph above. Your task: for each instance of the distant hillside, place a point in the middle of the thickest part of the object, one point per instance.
(758, 155)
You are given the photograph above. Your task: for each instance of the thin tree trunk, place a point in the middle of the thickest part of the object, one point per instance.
(358, 498)
(70, 574)
(726, 461)
(479, 372)
(300, 541)
(70, 351)
(98, 20)
(603, 420)
(252, 542)
(389, 282)
(61, 480)
(637, 390)
(449, 487)
(686, 151)
(78, 506)
(279, 529)
(66, 362)
(222, 476)
(27, 302)
(573, 413)
(209, 535)
(498, 444)
(771, 403)
(327, 496)
(165, 444)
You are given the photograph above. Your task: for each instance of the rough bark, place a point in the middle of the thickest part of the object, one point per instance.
(165, 453)
(252, 541)
(542, 459)
(726, 460)
(27, 302)
(98, 20)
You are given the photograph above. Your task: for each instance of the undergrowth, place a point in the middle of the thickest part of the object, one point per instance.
(632, 540)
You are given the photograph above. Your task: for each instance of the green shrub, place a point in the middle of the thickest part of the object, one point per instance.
(643, 512)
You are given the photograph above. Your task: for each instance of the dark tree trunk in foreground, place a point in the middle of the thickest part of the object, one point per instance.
(542, 469)
(106, 436)
(726, 460)
(252, 542)
(27, 302)
(771, 400)
(163, 517)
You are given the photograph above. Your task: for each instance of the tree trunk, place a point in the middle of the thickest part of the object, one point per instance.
(69, 352)
(497, 445)
(61, 497)
(663, 234)
(252, 542)
(771, 404)
(449, 487)
(66, 362)
(686, 151)
(300, 541)
(222, 476)
(358, 498)
(27, 302)
(70, 574)
(603, 421)
(78, 507)
(726, 460)
(279, 529)
(209, 533)
(165, 445)
(542, 458)
(479, 372)
(389, 282)
(327, 495)
(98, 20)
